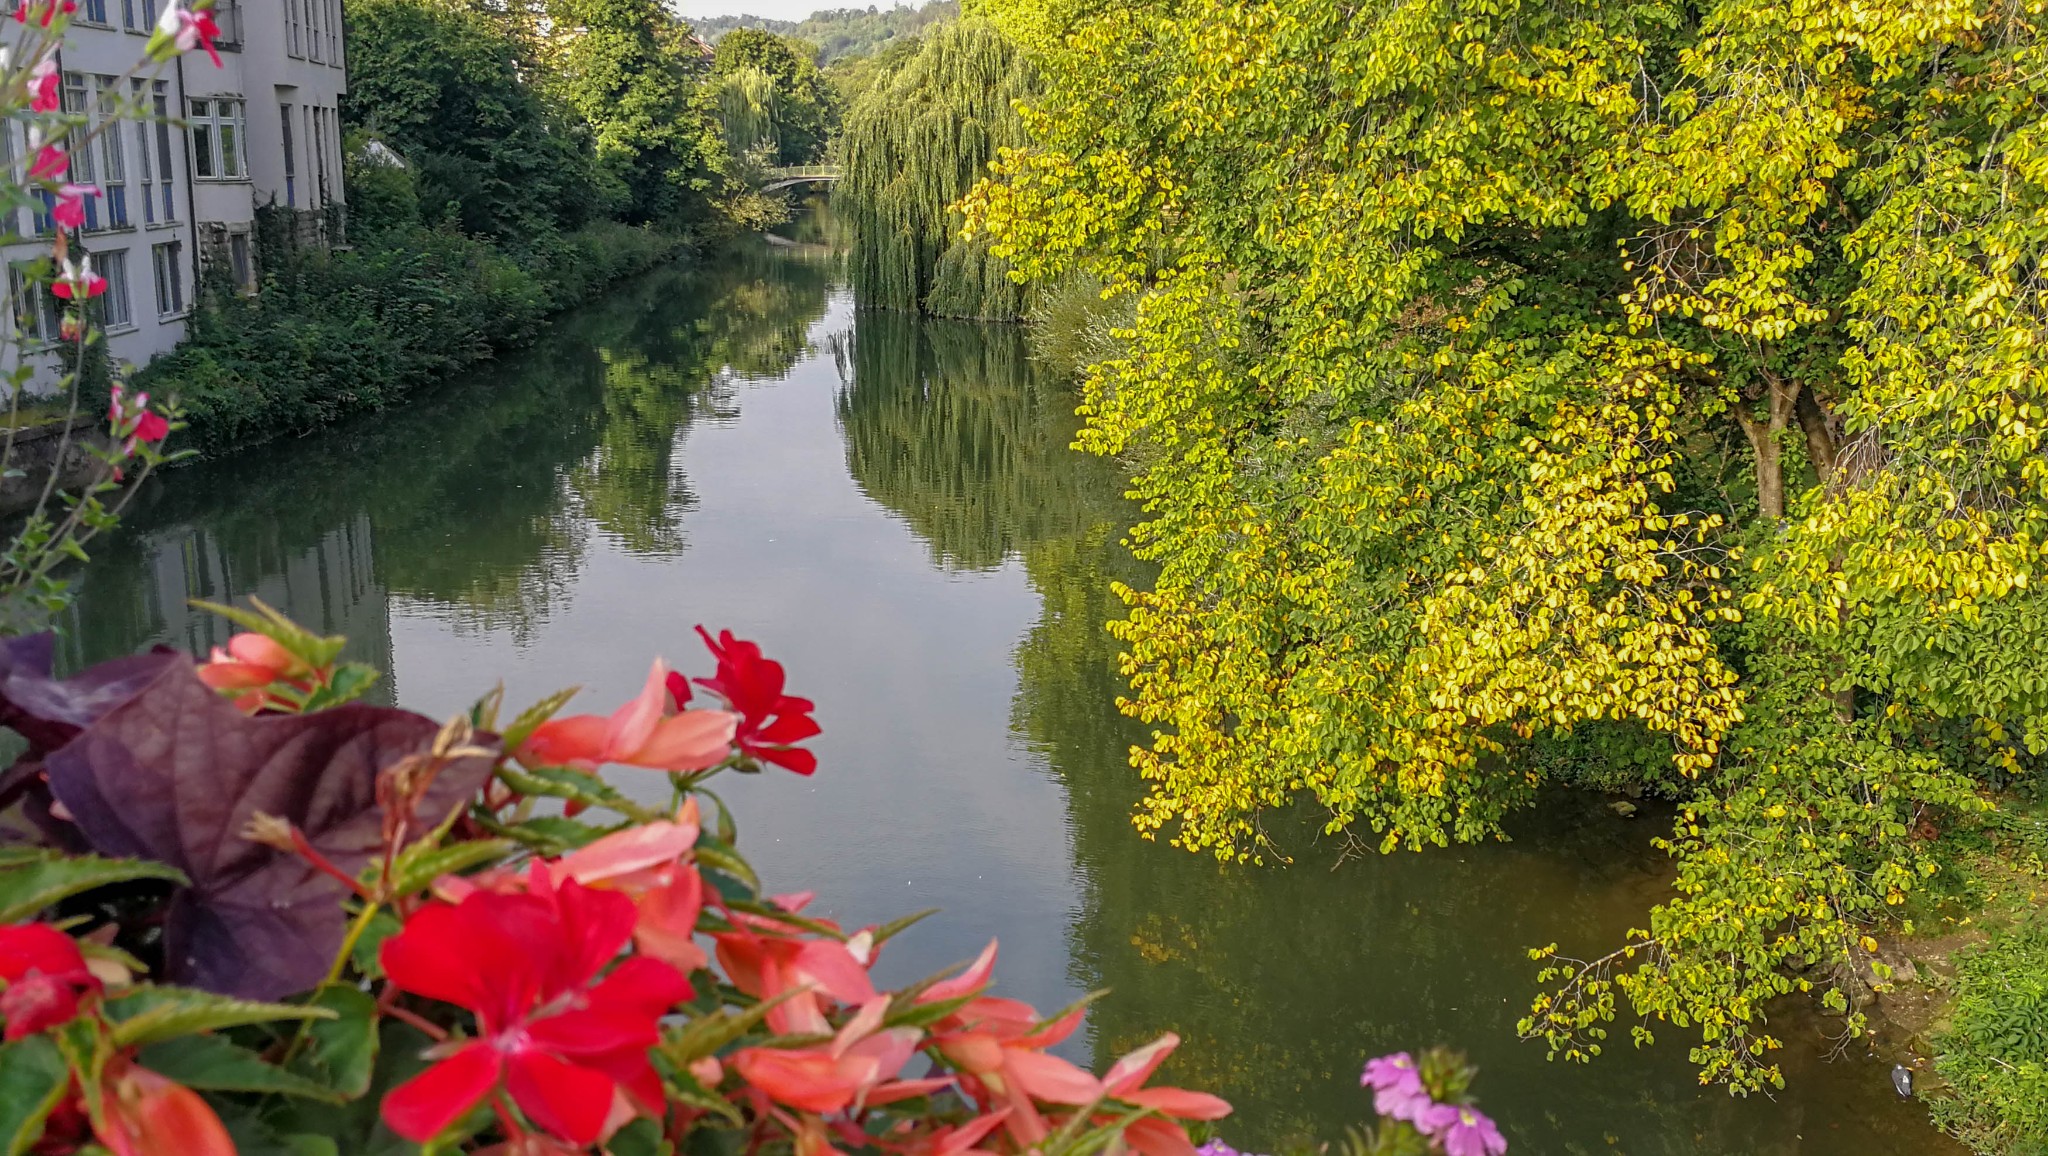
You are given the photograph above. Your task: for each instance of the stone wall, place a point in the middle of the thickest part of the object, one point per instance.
(35, 454)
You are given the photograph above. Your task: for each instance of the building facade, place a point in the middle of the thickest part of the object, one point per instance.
(181, 186)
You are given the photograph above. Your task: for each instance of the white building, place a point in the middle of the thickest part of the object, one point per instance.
(261, 130)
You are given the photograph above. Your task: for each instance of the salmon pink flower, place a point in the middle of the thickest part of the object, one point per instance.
(1158, 1134)
(45, 977)
(998, 1045)
(853, 1071)
(144, 1114)
(769, 965)
(251, 661)
(770, 721)
(43, 81)
(561, 1042)
(639, 734)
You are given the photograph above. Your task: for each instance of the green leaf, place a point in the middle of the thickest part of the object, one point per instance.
(215, 1064)
(420, 864)
(342, 1052)
(146, 1015)
(546, 834)
(29, 885)
(896, 927)
(707, 1033)
(721, 857)
(355, 1127)
(576, 786)
(33, 1078)
(348, 682)
(529, 720)
(367, 956)
(314, 649)
(642, 1137)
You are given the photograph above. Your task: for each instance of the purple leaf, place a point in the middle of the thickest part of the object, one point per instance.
(176, 773)
(49, 711)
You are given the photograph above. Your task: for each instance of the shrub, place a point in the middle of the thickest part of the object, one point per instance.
(1995, 1053)
(333, 334)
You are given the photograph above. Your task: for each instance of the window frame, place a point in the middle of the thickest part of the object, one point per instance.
(208, 126)
(168, 257)
(112, 264)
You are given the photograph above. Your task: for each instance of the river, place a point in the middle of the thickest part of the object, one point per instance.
(890, 508)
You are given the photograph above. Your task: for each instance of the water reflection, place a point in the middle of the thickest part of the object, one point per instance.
(891, 507)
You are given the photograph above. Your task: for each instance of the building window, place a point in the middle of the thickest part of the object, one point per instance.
(93, 12)
(38, 314)
(10, 220)
(217, 140)
(320, 121)
(168, 260)
(291, 158)
(227, 16)
(333, 32)
(239, 263)
(136, 15)
(155, 174)
(102, 161)
(111, 309)
(294, 34)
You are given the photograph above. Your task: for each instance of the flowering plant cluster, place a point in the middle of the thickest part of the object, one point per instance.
(1425, 1109)
(56, 291)
(259, 914)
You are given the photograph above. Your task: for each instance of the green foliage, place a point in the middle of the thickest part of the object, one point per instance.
(346, 332)
(1504, 374)
(796, 103)
(1995, 1052)
(33, 1080)
(841, 33)
(634, 76)
(448, 86)
(916, 141)
(34, 879)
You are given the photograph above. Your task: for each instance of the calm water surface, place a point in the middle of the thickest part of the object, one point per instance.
(889, 507)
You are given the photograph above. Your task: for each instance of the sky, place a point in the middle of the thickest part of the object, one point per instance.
(776, 9)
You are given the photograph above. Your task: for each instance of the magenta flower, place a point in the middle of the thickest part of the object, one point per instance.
(50, 163)
(1398, 1093)
(42, 85)
(1463, 1131)
(69, 211)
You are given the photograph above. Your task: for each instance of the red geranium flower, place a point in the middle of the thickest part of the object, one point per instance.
(562, 1045)
(769, 720)
(45, 976)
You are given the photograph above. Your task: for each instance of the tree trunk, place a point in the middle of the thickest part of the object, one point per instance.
(1782, 403)
(1820, 439)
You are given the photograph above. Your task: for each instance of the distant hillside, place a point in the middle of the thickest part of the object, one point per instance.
(840, 33)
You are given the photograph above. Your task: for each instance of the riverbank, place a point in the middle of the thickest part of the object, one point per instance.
(332, 334)
(1965, 998)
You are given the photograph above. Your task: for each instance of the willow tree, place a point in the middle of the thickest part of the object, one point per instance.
(915, 143)
(747, 103)
(1516, 372)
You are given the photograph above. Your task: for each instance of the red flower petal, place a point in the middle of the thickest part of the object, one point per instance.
(422, 1106)
(575, 1034)
(641, 986)
(566, 1099)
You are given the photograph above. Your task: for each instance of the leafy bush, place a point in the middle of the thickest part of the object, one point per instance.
(339, 333)
(1995, 1053)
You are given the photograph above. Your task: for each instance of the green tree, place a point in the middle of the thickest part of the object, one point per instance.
(1507, 372)
(447, 85)
(916, 141)
(802, 110)
(631, 71)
